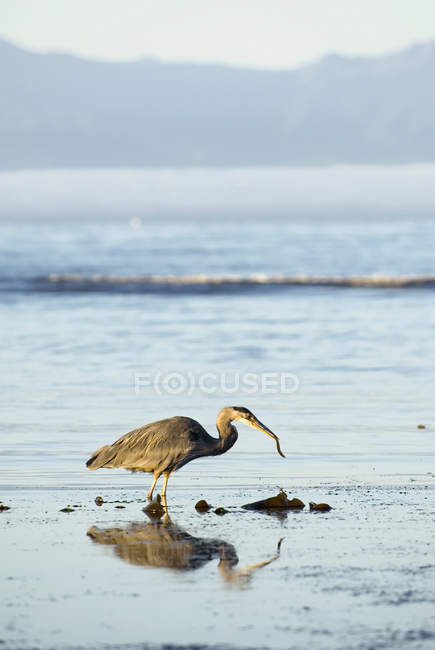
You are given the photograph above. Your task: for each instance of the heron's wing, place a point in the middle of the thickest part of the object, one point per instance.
(156, 447)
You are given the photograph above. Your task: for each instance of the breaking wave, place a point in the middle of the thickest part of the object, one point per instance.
(222, 283)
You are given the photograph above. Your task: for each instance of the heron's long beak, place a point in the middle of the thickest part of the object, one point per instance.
(262, 427)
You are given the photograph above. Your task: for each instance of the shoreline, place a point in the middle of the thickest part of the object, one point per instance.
(362, 566)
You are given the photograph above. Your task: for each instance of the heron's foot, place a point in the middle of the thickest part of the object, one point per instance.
(166, 517)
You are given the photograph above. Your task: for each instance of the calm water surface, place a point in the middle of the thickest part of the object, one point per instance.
(363, 356)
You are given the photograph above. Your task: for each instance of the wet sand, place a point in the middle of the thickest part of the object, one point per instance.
(359, 576)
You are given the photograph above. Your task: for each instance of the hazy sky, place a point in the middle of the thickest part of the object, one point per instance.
(264, 33)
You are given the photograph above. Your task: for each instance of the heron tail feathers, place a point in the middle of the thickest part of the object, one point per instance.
(100, 458)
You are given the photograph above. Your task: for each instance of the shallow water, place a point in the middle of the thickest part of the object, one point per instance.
(360, 576)
(358, 360)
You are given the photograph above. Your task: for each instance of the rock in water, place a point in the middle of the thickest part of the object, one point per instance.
(154, 509)
(202, 506)
(320, 507)
(279, 502)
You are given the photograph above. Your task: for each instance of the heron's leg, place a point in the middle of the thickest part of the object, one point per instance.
(165, 483)
(153, 485)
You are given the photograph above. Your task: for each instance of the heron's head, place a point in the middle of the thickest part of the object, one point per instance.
(245, 415)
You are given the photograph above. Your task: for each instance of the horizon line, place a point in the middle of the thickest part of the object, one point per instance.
(151, 58)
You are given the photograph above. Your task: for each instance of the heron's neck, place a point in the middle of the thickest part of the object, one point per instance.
(227, 436)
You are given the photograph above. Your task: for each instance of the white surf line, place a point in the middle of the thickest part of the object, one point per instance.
(384, 281)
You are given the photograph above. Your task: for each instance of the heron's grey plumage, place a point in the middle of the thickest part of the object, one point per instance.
(167, 445)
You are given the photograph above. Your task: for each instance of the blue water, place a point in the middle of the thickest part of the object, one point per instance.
(361, 358)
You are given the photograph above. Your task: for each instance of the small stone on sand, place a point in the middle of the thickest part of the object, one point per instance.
(202, 506)
(320, 507)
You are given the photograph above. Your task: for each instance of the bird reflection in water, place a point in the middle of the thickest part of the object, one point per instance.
(241, 577)
(161, 543)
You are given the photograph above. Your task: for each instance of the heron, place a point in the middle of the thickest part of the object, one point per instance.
(165, 446)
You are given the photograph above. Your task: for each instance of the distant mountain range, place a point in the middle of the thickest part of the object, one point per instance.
(58, 110)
